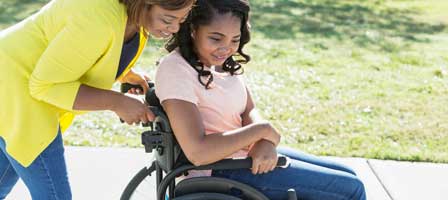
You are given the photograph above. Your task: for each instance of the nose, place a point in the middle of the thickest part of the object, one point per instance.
(173, 28)
(224, 49)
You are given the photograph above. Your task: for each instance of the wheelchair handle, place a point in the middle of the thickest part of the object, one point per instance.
(125, 87)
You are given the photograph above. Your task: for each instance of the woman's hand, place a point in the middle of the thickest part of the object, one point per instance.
(264, 157)
(133, 110)
(136, 79)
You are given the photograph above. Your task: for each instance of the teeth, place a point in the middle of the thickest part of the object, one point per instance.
(165, 33)
(220, 57)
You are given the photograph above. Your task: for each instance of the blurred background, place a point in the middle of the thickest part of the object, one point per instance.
(337, 77)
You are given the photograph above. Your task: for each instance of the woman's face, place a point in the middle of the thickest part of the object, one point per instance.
(216, 42)
(162, 23)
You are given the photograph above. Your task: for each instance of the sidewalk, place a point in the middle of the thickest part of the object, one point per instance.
(102, 173)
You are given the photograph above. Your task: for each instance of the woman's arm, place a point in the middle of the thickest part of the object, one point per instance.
(202, 149)
(127, 108)
(79, 44)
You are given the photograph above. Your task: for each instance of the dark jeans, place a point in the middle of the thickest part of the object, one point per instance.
(312, 178)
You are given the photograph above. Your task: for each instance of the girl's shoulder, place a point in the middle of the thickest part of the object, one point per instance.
(175, 63)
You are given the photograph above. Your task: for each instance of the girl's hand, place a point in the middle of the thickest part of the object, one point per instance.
(264, 157)
(136, 79)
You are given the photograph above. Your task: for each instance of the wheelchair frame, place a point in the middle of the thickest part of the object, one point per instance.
(171, 160)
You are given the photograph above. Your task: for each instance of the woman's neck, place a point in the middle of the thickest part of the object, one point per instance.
(130, 31)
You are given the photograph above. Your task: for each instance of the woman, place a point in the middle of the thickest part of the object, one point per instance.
(62, 60)
(213, 115)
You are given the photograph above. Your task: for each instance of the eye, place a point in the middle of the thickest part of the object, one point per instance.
(236, 41)
(166, 21)
(214, 39)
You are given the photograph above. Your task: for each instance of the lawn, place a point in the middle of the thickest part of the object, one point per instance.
(342, 78)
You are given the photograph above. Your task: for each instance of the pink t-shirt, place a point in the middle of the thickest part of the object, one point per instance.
(220, 106)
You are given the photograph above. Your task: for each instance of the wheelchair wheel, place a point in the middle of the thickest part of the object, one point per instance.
(141, 186)
(206, 196)
(217, 185)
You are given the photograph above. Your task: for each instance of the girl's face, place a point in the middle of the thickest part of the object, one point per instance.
(216, 42)
(162, 23)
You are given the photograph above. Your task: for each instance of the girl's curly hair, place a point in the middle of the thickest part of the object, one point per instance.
(203, 13)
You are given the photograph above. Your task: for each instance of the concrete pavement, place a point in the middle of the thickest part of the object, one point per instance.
(102, 174)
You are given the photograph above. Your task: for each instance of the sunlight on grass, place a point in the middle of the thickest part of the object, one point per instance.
(343, 78)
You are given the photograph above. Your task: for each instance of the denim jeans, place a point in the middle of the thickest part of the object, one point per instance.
(46, 177)
(312, 178)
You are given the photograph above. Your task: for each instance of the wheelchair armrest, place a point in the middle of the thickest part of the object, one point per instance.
(239, 163)
(245, 163)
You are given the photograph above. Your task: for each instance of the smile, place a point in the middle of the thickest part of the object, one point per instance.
(165, 34)
(220, 57)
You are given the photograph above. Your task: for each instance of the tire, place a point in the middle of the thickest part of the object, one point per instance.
(217, 185)
(142, 186)
(206, 196)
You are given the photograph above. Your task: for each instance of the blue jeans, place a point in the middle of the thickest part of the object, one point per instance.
(312, 178)
(46, 177)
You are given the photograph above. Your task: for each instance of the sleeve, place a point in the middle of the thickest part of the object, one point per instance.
(175, 81)
(74, 50)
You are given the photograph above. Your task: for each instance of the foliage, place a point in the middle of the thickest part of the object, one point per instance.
(344, 78)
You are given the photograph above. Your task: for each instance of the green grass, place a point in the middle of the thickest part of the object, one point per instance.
(343, 78)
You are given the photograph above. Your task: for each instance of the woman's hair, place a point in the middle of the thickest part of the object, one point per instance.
(203, 13)
(136, 8)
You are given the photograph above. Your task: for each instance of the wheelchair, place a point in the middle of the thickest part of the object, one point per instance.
(170, 162)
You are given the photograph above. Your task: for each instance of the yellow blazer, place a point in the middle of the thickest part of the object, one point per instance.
(43, 61)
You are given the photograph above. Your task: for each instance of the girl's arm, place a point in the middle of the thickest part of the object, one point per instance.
(251, 115)
(263, 152)
(202, 149)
